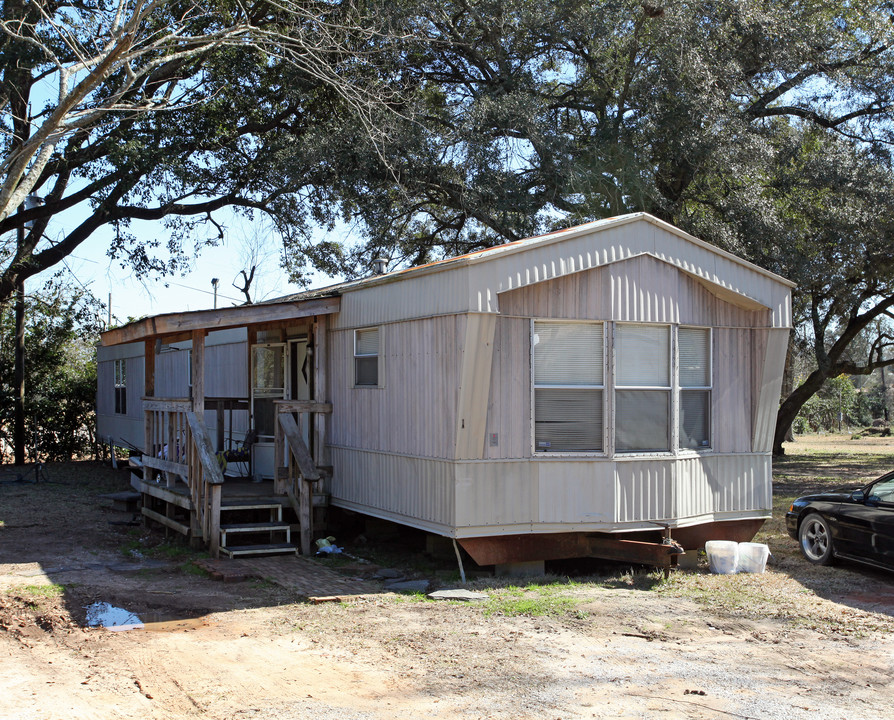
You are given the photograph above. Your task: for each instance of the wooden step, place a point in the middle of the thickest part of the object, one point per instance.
(255, 527)
(243, 504)
(274, 549)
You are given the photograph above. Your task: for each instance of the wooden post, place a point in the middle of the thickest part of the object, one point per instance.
(198, 372)
(148, 415)
(306, 514)
(214, 532)
(321, 389)
(279, 454)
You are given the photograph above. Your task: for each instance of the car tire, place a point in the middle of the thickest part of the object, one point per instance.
(815, 540)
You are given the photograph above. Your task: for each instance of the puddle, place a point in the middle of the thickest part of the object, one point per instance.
(105, 615)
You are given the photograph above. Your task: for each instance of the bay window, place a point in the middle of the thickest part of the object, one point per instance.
(658, 404)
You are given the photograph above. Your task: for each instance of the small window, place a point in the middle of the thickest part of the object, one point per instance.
(568, 387)
(366, 357)
(120, 387)
(694, 346)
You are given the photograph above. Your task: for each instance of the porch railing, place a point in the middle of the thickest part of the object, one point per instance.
(177, 444)
(166, 438)
(293, 462)
(205, 481)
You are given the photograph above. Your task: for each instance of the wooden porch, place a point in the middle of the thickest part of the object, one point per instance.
(180, 473)
(184, 487)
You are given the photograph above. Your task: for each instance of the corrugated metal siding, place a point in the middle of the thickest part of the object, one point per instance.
(576, 492)
(509, 401)
(121, 429)
(497, 493)
(414, 412)
(733, 358)
(226, 370)
(644, 490)
(552, 495)
(105, 387)
(642, 289)
(171, 378)
(475, 287)
(769, 390)
(397, 485)
(135, 387)
(723, 484)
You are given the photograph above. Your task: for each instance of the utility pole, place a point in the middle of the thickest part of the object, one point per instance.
(214, 283)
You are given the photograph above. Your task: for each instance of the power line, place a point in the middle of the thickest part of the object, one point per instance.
(207, 292)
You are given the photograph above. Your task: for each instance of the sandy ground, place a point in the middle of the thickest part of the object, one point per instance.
(252, 650)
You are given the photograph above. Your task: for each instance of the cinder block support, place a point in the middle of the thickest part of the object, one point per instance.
(689, 561)
(531, 568)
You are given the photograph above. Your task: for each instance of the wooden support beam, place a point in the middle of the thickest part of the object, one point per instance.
(198, 372)
(299, 450)
(302, 406)
(320, 390)
(173, 323)
(149, 371)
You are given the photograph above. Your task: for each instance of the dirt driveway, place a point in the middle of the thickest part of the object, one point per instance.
(795, 642)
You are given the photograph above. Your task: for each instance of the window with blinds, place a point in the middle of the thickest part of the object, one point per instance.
(694, 350)
(568, 386)
(642, 388)
(366, 357)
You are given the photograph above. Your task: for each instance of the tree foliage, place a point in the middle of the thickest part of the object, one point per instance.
(60, 372)
(762, 126)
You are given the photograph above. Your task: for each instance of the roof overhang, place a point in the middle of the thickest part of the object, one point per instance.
(161, 326)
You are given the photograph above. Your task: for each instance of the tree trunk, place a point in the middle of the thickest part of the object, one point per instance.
(18, 435)
(792, 405)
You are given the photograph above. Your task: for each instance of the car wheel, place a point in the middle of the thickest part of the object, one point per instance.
(816, 540)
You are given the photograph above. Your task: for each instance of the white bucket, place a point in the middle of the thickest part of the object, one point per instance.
(723, 556)
(753, 557)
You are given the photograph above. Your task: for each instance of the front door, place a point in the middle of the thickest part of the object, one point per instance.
(300, 378)
(268, 383)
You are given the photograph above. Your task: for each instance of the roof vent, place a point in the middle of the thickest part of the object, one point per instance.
(379, 265)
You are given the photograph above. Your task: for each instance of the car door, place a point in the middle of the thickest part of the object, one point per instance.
(866, 528)
(880, 505)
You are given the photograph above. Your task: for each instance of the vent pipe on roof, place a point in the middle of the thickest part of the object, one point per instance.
(379, 265)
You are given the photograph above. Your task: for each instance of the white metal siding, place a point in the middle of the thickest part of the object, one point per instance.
(414, 410)
(644, 491)
(509, 401)
(553, 495)
(769, 390)
(405, 489)
(733, 391)
(642, 289)
(474, 285)
(723, 484)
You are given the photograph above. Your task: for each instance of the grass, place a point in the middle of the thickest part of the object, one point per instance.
(51, 590)
(549, 598)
